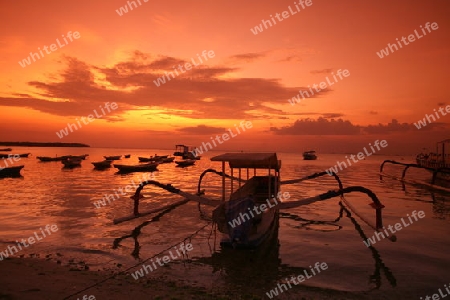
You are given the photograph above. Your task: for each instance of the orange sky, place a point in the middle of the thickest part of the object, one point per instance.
(251, 77)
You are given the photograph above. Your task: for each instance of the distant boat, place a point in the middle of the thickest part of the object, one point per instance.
(11, 171)
(47, 158)
(102, 164)
(114, 157)
(150, 167)
(436, 160)
(4, 155)
(166, 160)
(185, 162)
(72, 162)
(127, 155)
(309, 155)
(152, 158)
(61, 158)
(185, 152)
(145, 159)
(6, 149)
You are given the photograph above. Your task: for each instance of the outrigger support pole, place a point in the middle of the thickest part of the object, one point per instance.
(168, 187)
(314, 176)
(216, 172)
(376, 204)
(407, 166)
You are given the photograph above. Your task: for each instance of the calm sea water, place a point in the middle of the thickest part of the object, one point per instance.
(416, 264)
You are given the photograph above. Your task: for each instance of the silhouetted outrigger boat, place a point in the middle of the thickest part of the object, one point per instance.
(255, 201)
(438, 163)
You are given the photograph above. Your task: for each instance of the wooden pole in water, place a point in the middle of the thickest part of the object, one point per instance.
(223, 181)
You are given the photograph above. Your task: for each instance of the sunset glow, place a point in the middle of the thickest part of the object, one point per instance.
(224, 62)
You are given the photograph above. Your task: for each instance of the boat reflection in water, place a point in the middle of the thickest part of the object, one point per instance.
(263, 265)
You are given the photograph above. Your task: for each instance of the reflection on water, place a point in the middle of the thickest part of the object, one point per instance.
(320, 232)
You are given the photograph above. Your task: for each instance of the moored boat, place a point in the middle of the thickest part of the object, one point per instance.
(155, 158)
(149, 167)
(186, 152)
(145, 159)
(57, 158)
(72, 162)
(113, 157)
(11, 171)
(102, 164)
(185, 162)
(4, 155)
(309, 155)
(166, 160)
(436, 160)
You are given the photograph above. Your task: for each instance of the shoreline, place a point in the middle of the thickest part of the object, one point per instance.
(47, 279)
(43, 144)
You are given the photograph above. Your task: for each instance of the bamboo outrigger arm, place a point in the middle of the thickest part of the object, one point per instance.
(168, 187)
(407, 166)
(376, 204)
(218, 173)
(312, 177)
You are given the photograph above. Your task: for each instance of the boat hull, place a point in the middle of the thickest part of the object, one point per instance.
(71, 162)
(102, 164)
(151, 167)
(185, 163)
(46, 158)
(11, 171)
(3, 155)
(114, 157)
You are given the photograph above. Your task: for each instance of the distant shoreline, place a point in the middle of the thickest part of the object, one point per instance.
(37, 144)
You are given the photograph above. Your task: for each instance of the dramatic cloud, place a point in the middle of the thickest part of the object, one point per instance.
(202, 129)
(246, 57)
(395, 126)
(200, 93)
(322, 126)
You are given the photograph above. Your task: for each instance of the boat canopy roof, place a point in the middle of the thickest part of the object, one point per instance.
(250, 160)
